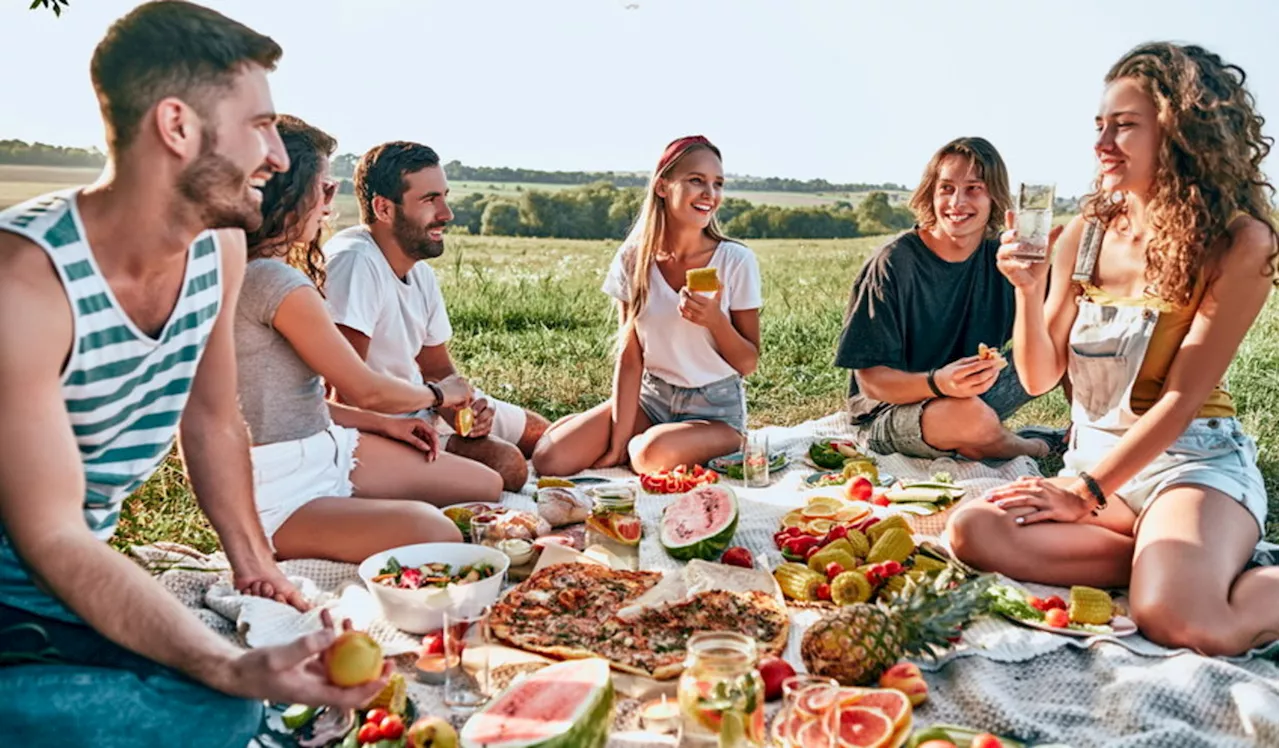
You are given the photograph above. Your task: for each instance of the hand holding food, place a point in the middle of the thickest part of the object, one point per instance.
(699, 309)
(457, 391)
(970, 376)
(702, 280)
(987, 353)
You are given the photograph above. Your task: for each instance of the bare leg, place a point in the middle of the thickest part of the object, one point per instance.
(575, 443)
(503, 457)
(352, 529)
(971, 428)
(691, 442)
(388, 469)
(1097, 552)
(535, 425)
(1188, 589)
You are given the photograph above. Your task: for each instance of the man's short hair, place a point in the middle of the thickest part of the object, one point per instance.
(382, 171)
(170, 48)
(991, 171)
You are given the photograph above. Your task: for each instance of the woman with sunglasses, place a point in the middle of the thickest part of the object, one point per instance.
(332, 481)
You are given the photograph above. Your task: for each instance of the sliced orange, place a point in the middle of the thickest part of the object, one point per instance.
(793, 518)
(850, 514)
(821, 508)
(819, 526)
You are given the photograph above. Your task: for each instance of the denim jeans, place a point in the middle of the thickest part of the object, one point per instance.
(65, 684)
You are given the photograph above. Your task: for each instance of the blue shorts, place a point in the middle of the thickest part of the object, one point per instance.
(724, 401)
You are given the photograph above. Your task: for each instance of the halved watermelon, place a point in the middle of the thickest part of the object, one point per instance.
(700, 524)
(566, 705)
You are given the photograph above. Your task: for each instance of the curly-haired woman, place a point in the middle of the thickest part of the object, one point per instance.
(332, 481)
(1153, 288)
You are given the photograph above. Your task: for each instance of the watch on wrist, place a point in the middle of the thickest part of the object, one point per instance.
(933, 383)
(1095, 490)
(439, 393)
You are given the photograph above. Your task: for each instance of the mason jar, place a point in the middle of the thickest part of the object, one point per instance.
(614, 523)
(720, 692)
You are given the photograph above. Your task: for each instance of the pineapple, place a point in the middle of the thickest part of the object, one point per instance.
(858, 642)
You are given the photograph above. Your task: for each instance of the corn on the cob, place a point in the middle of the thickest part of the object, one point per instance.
(892, 586)
(859, 543)
(1089, 605)
(797, 581)
(894, 544)
(393, 697)
(927, 563)
(850, 587)
(818, 561)
(875, 531)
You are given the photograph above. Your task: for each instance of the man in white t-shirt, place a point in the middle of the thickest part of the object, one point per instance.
(388, 304)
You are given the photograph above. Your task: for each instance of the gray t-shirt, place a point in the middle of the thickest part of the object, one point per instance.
(281, 397)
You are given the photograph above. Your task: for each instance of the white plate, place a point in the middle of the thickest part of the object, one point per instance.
(1120, 626)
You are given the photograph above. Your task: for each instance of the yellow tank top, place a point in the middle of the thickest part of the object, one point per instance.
(1166, 339)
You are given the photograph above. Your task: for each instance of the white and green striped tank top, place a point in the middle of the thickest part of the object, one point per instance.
(123, 389)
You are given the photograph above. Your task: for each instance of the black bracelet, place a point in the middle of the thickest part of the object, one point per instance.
(439, 393)
(933, 385)
(1094, 489)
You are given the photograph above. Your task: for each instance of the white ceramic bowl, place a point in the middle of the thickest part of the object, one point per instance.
(421, 611)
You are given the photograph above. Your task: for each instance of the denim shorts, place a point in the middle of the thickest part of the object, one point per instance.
(1213, 453)
(896, 429)
(724, 401)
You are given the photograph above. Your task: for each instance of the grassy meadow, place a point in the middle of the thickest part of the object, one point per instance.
(531, 326)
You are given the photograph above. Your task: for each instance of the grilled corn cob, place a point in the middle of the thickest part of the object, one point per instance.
(891, 587)
(859, 543)
(875, 531)
(927, 563)
(894, 544)
(818, 561)
(1089, 605)
(797, 581)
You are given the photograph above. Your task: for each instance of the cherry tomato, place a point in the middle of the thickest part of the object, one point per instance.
(369, 733)
(375, 716)
(1055, 602)
(392, 727)
(824, 591)
(833, 570)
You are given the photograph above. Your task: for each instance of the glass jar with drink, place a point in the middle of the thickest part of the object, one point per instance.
(720, 692)
(613, 523)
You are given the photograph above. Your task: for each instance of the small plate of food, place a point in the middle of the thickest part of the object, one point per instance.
(731, 465)
(1087, 612)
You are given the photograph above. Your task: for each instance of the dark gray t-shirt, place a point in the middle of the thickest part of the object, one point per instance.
(911, 310)
(281, 397)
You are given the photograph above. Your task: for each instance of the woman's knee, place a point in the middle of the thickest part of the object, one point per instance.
(427, 524)
(974, 531)
(1165, 621)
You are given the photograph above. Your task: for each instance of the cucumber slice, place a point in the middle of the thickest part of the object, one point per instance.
(298, 716)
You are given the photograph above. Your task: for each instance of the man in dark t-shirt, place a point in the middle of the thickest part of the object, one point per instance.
(919, 310)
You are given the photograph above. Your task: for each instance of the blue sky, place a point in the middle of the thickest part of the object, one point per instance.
(844, 90)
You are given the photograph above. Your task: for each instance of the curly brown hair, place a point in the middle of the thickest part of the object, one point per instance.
(1209, 166)
(287, 199)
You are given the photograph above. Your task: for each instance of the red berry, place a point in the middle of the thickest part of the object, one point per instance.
(1055, 602)
(833, 569)
(1057, 618)
(824, 591)
(369, 733)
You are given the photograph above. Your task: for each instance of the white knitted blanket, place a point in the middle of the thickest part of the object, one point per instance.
(1030, 685)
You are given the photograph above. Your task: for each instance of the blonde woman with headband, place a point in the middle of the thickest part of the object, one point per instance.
(678, 392)
(1153, 288)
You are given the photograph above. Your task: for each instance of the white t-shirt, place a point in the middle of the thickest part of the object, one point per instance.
(675, 349)
(399, 316)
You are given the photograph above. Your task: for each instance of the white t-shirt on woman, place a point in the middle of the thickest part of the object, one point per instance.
(675, 349)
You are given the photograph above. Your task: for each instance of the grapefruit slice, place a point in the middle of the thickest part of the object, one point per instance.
(863, 727)
(793, 518)
(812, 701)
(813, 735)
(819, 526)
(892, 703)
(852, 514)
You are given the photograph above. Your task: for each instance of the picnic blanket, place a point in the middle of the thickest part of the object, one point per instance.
(1031, 685)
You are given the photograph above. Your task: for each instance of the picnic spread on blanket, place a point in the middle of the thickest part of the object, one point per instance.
(611, 609)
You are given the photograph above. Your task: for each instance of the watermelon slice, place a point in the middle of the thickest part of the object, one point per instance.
(700, 524)
(566, 705)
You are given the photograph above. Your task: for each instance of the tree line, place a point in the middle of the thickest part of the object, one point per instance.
(43, 154)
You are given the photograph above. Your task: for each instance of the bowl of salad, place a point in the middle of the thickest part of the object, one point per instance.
(415, 584)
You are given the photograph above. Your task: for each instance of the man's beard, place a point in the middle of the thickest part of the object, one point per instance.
(414, 240)
(219, 190)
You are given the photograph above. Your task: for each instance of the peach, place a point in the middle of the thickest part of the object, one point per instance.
(906, 677)
(431, 732)
(353, 659)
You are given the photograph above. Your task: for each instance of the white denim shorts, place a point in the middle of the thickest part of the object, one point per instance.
(287, 475)
(1212, 452)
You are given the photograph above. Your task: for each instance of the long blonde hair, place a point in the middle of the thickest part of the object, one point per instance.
(1209, 164)
(648, 237)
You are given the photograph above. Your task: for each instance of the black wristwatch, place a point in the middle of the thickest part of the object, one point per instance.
(1095, 489)
(439, 393)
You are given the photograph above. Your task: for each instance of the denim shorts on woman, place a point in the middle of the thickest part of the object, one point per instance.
(724, 401)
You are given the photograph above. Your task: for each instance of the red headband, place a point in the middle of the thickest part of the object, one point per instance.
(678, 147)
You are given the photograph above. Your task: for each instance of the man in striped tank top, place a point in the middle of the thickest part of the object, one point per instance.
(118, 302)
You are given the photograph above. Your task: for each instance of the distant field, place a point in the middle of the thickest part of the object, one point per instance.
(18, 183)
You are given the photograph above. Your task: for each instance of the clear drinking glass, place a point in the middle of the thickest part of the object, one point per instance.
(482, 529)
(466, 651)
(1034, 210)
(809, 714)
(720, 692)
(755, 460)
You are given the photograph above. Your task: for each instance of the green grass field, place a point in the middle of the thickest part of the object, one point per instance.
(531, 326)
